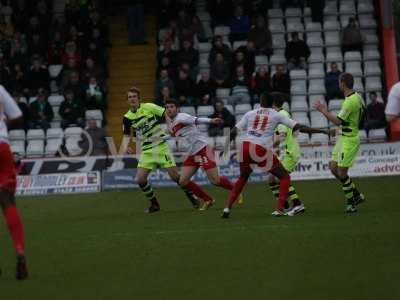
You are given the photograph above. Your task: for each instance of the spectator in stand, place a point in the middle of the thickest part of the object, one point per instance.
(166, 64)
(240, 25)
(221, 11)
(18, 80)
(18, 54)
(220, 71)
(185, 89)
(206, 88)
(281, 80)
(332, 82)
(240, 87)
(248, 59)
(6, 26)
(71, 53)
(5, 45)
(375, 113)
(166, 11)
(261, 82)
(56, 49)
(297, 52)
(261, 36)
(37, 46)
(95, 98)
(38, 76)
(24, 109)
(219, 47)
(162, 81)
(91, 69)
(76, 86)
(351, 37)
(165, 95)
(4, 73)
(220, 111)
(167, 51)
(188, 55)
(170, 33)
(97, 137)
(71, 111)
(41, 112)
(197, 29)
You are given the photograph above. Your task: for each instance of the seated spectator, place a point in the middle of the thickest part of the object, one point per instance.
(240, 87)
(91, 69)
(197, 29)
(98, 141)
(71, 53)
(41, 112)
(351, 37)
(37, 46)
(206, 88)
(165, 12)
(248, 60)
(240, 25)
(261, 36)
(218, 46)
(223, 113)
(281, 80)
(95, 98)
(170, 33)
(220, 10)
(332, 83)
(18, 54)
(71, 111)
(165, 95)
(5, 45)
(18, 80)
(188, 54)
(297, 52)
(185, 89)
(76, 86)
(24, 109)
(38, 76)
(375, 113)
(167, 65)
(261, 82)
(163, 80)
(56, 49)
(167, 51)
(220, 71)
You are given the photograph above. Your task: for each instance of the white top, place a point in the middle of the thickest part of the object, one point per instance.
(260, 125)
(393, 103)
(183, 126)
(8, 110)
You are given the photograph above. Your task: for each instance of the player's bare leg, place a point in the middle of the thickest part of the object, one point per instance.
(141, 178)
(185, 182)
(15, 227)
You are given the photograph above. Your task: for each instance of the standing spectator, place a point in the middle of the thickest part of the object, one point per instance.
(188, 55)
(218, 46)
(97, 137)
(94, 95)
(240, 25)
(240, 87)
(297, 52)
(38, 76)
(184, 88)
(281, 80)
(220, 11)
(332, 82)
(165, 95)
(41, 112)
(375, 113)
(71, 111)
(261, 82)
(220, 71)
(136, 22)
(206, 88)
(351, 37)
(162, 81)
(261, 36)
(223, 113)
(392, 109)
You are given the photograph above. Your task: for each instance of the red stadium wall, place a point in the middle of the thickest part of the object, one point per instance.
(389, 57)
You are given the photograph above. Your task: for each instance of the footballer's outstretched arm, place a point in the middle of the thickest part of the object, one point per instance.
(321, 107)
(306, 129)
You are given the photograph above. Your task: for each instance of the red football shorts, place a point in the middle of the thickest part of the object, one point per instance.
(8, 174)
(253, 154)
(205, 159)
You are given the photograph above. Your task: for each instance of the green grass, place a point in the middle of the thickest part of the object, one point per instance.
(102, 246)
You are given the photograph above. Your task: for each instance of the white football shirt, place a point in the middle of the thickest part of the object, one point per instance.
(260, 124)
(8, 110)
(393, 103)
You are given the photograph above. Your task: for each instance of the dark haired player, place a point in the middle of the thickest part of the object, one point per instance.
(348, 143)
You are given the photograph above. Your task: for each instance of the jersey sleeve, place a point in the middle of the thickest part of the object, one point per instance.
(345, 111)
(126, 126)
(286, 121)
(155, 109)
(187, 119)
(10, 107)
(393, 103)
(242, 124)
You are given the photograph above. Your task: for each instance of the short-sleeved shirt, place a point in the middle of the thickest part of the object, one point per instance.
(351, 114)
(393, 103)
(260, 125)
(290, 143)
(145, 123)
(8, 109)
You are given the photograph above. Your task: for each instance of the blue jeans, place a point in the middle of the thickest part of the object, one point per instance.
(136, 24)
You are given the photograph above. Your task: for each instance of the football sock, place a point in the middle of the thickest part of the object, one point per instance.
(198, 191)
(348, 188)
(284, 184)
(293, 196)
(149, 193)
(225, 183)
(274, 186)
(237, 190)
(15, 227)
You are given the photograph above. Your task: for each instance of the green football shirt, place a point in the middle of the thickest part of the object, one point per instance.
(351, 114)
(146, 125)
(290, 143)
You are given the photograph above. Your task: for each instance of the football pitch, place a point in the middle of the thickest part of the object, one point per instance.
(102, 246)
